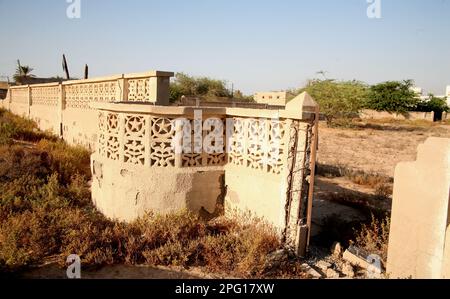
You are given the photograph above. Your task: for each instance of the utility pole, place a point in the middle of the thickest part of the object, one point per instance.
(65, 67)
(86, 71)
(232, 90)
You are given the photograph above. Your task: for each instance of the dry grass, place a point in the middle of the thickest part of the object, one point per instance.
(46, 212)
(374, 237)
(381, 184)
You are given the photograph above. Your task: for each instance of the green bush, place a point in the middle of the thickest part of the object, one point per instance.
(337, 99)
(392, 96)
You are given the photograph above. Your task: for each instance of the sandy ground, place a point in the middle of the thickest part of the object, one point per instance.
(54, 271)
(373, 150)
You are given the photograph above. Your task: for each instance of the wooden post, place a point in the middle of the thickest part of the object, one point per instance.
(314, 144)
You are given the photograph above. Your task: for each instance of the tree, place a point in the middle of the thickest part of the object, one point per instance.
(204, 87)
(23, 73)
(337, 99)
(435, 104)
(392, 96)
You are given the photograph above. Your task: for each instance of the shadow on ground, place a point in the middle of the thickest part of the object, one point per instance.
(53, 271)
(341, 207)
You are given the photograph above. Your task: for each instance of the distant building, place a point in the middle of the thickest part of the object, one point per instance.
(3, 89)
(36, 80)
(447, 94)
(271, 98)
(417, 90)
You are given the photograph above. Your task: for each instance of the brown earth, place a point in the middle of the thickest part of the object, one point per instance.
(374, 147)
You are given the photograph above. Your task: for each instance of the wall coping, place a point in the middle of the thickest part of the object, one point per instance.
(300, 108)
(101, 79)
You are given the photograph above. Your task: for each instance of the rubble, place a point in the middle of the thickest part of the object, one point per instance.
(332, 273)
(347, 270)
(336, 249)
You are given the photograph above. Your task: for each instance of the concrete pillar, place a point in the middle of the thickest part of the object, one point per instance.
(418, 240)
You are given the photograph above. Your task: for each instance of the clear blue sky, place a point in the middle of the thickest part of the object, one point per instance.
(256, 44)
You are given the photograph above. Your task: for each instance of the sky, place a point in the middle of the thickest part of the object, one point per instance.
(256, 45)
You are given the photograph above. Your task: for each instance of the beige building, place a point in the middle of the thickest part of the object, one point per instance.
(447, 94)
(271, 98)
(3, 89)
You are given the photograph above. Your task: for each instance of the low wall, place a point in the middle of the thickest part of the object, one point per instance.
(445, 115)
(136, 168)
(64, 108)
(419, 240)
(264, 164)
(412, 115)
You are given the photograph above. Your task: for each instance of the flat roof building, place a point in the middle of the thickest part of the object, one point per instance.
(271, 97)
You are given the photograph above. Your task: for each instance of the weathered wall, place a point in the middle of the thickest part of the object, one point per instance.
(64, 109)
(264, 166)
(268, 201)
(271, 98)
(412, 115)
(419, 234)
(445, 115)
(20, 101)
(136, 168)
(45, 108)
(125, 192)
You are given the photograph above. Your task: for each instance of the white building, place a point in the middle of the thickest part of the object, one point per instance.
(417, 90)
(447, 94)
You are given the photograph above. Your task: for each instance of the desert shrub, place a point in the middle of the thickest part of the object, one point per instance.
(231, 248)
(374, 237)
(16, 127)
(66, 160)
(382, 184)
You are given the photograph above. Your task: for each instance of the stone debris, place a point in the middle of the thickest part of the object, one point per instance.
(356, 258)
(323, 265)
(336, 250)
(332, 274)
(311, 271)
(276, 258)
(347, 270)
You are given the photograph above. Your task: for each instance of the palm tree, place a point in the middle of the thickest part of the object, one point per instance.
(23, 73)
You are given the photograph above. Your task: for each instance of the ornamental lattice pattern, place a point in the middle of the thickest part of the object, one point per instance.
(80, 95)
(46, 96)
(138, 90)
(134, 139)
(19, 95)
(258, 144)
(149, 141)
(199, 155)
